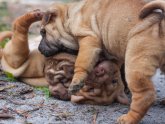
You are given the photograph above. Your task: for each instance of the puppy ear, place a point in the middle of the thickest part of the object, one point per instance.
(122, 98)
(48, 16)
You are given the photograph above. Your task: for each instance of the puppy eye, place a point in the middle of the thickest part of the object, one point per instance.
(114, 81)
(43, 32)
(51, 63)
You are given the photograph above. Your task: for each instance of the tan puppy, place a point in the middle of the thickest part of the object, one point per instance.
(103, 85)
(93, 26)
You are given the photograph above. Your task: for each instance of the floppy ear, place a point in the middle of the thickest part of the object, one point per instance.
(122, 98)
(48, 16)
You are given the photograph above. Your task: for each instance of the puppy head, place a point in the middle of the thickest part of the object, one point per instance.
(55, 34)
(103, 86)
(59, 72)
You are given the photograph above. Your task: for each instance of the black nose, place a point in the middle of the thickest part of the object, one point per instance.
(47, 51)
(43, 32)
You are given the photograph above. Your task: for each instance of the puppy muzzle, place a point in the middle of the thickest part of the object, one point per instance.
(48, 49)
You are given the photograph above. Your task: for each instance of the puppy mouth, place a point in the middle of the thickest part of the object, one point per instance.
(64, 97)
(49, 50)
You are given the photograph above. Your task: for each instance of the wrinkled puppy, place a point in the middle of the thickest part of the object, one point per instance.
(93, 26)
(59, 72)
(103, 85)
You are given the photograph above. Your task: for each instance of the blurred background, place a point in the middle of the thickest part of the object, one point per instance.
(10, 9)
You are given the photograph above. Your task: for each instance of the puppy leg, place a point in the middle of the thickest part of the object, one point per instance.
(88, 55)
(5, 34)
(16, 51)
(142, 59)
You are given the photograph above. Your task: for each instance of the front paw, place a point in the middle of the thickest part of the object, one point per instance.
(28, 18)
(75, 86)
(126, 119)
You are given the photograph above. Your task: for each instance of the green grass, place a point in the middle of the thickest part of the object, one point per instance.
(45, 90)
(3, 14)
(3, 25)
(10, 77)
(3, 43)
(3, 8)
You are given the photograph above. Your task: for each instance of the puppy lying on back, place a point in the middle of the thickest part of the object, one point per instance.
(103, 85)
(22, 58)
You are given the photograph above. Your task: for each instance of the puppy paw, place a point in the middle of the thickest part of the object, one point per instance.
(34, 15)
(75, 86)
(28, 18)
(126, 119)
